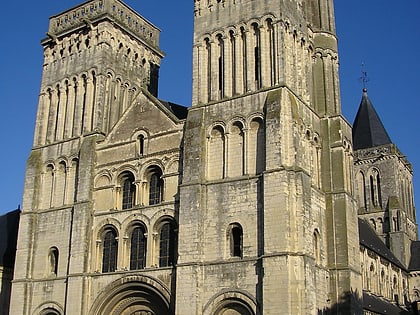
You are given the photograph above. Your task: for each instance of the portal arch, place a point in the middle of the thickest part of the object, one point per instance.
(133, 295)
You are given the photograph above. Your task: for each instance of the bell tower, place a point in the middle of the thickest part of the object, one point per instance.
(98, 57)
(267, 212)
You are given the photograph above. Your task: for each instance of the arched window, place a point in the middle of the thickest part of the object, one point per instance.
(235, 240)
(155, 187)
(257, 55)
(256, 147)
(375, 189)
(373, 223)
(317, 248)
(110, 251)
(138, 248)
(166, 245)
(216, 153)
(361, 190)
(236, 150)
(53, 261)
(140, 139)
(221, 66)
(128, 190)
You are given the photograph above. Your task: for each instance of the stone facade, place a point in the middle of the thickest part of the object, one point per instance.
(244, 206)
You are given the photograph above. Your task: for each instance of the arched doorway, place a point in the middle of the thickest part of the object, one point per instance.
(234, 308)
(139, 296)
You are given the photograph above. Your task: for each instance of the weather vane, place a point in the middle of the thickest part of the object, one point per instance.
(364, 78)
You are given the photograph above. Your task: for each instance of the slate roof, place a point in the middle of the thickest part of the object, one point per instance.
(378, 305)
(368, 130)
(369, 239)
(9, 224)
(415, 257)
(178, 110)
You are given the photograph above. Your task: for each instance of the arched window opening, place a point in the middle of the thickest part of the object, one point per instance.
(257, 56)
(141, 144)
(236, 238)
(373, 223)
(209, 70)
(375, 189)
(271, 39)
(256, 147)
(53, 261)
(244, 59)
(138, 248)
(395, 289)
(317, 247)
(221, 66)
(166, 245)
(216, 154)
(128, 190)
(233, 60)
(361, 190)
(110, 251)
(236, 150)
(371, 278)
(155, 187)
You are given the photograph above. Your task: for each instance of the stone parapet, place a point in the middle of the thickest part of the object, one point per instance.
(115, 10)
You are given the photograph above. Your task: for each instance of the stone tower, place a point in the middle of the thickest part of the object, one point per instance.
(244, 207)
(384, 183)
(99, 137)
(267, 216)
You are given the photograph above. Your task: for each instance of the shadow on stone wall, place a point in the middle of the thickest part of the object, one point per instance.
(349, 303)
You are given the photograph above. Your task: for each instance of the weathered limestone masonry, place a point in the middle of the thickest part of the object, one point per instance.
(244, 207)
(266, 86)
(98, 124)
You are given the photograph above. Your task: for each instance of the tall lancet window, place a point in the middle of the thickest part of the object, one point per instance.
(375, 189)
(209, 70)
(257, 55)
(361, 190)
(244, 59)
(272, 50)
(221, 67)
(233, 60)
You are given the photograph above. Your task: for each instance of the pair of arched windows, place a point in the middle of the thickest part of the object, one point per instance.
(138, 247)
(373, 193)
(154, 189)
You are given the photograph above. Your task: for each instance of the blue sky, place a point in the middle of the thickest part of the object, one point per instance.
(384, 35)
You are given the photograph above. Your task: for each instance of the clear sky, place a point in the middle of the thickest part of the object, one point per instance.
(384, 35)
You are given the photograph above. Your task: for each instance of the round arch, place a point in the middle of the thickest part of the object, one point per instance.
(237, 302)
(132, 295)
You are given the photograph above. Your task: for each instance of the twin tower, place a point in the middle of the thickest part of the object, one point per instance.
(241, 204)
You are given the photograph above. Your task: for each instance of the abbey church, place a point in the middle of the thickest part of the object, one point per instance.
(258, 198)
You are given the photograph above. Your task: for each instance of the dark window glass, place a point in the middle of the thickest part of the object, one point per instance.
(166, 251)
(141, 145)
(138, 249)
(236, 241)
(110, 248)
(53, 260)
(128, 191)
(155, 189)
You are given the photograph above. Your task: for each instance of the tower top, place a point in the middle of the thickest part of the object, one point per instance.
(95, 10)
(368, 130)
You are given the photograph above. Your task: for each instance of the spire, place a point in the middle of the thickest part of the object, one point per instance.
(368, 130)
